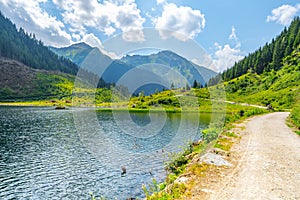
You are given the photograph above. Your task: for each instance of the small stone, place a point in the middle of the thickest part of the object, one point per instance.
(211, 158)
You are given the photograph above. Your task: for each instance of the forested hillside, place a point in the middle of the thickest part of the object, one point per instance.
(21, 83)
(24, 47)
(267, 58)
(270, 75)
(278, 88)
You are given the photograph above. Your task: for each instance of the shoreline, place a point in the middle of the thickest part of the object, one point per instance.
(108, 109)
(206, 164)
(214, 172)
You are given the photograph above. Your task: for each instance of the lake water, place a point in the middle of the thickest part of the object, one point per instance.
(66, 154)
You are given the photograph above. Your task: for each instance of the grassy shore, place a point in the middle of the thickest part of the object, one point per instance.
(181, 163)
(295, 117)
(178, 163)
(41, 103)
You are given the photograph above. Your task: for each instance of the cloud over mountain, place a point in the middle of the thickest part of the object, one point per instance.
(181, 22)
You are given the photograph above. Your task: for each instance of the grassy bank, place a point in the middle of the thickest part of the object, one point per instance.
(41, 103)
(295, 117)
(178, 164)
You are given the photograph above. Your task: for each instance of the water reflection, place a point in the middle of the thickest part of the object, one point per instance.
(43, 157)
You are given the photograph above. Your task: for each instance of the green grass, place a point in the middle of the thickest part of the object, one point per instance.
(295, 116)
(178, 162)
(278, 88)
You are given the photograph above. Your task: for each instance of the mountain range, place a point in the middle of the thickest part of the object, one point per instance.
(158, 71)
(22, 50)
(30, 70)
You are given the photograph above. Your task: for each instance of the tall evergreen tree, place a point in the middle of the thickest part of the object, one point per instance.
(24, 47)
(267, 58)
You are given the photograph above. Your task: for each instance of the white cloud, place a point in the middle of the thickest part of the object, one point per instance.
(284, 14)
(109, 30)
(78, 17)
(94, 41)
(107, 17)
(233, 36)
(76, 37)
(206, 61)
(225, 56)
(29, 15)
(160, 2)
(180, 22)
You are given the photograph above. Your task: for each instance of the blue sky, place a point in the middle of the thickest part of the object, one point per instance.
(227, 30)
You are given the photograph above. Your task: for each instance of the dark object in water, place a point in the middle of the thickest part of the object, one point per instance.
(60, 107)
(123, 170)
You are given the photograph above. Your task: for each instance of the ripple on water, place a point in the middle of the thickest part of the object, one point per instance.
(42, 157)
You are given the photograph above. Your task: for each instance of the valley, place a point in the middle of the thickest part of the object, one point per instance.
(156, 115)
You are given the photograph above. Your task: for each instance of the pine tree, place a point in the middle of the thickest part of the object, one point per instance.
(267, 58)
(195, 84)
(24, 47)
(172, 86)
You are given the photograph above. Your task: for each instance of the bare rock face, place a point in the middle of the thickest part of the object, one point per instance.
(14, 74)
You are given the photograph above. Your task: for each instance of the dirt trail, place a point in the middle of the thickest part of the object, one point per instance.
(269, 165)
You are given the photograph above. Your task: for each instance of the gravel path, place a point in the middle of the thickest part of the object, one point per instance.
(270, 162)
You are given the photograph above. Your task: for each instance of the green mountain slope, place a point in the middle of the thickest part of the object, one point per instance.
(278, 88)
(19, 82)
(24, 47)
(29, 70)
(270, 75)
(267, 58)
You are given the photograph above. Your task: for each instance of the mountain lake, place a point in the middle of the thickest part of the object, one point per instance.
(68, 154)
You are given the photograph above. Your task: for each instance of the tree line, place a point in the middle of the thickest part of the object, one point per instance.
(26, 48)
(267, 58)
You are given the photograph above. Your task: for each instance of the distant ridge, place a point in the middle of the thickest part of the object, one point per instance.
(95, 61)
(76, 52)
(185, 67)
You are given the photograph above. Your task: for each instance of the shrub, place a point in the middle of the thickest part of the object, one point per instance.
(295, 115)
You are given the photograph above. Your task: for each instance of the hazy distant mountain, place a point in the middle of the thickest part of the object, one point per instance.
(76, 52)
(169, 59)
(93, 60)
(163, 65)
